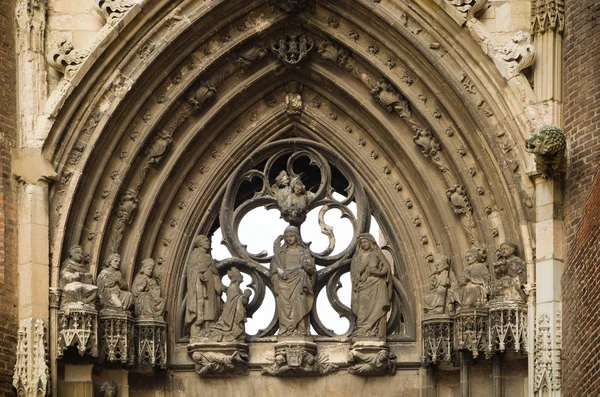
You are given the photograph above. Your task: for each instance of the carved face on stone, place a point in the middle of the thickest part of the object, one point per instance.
(471, 257)
(298, 187)
(76, 253)
(148, 267)
(203, 242)
(114, 261)
(507, 250)
(365, 244)
(291, 238)
(441, 262)
(500, 269)
(108, 389)
(282, 179)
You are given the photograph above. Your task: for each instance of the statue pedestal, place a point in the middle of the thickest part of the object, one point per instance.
(438, 339)
(218, 359)
(298, 357)
(151, 342)
(507, 326)
(116, 338)
(371, 358)
(78, 327)
(471, 330)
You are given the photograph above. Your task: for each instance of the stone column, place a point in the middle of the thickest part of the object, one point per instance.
(33, 174)
(547, 27)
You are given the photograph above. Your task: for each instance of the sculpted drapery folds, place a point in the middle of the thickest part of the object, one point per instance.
(441, 281)
(510, 274)
(293, 274)
(76, 280)
(230, 326)
(371, 288)
(149, 304)
(204, 288)
(474, 283)
(112, 288)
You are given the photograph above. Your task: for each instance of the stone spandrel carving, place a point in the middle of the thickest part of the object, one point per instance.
(510, 275)
(519, 54)
(112, 11)
(298, 359)
(371, 359)
(64, 58)
(108, 389)
(76, 282)
(293, 275)
(474, 283)
(371, 288)
(149, 303)
(230, 326)
(204, 288)
(112, 288)
(441, 282)
(548, 144)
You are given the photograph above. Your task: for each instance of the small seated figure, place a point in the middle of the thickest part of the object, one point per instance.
(76, 281)
(474, 283)
(112, 289)
(510, 274)
(441, 281)
(149, 304)
(230, 325)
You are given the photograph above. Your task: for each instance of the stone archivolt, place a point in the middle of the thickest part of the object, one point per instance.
(183, 135)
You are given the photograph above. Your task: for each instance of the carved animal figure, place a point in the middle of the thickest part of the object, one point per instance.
(548, 144)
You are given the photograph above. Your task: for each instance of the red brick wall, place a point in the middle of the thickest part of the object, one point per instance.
(8, 263)
(581, 305)
(581, 279)
(581, 106)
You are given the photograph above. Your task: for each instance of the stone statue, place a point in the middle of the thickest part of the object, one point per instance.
(149, 304)
(441, 281)
(519, 54)
(204, 288)
(371, 288)
(381, 363)
(108, 389)
(230, 326)
(76, 281)
(293, 273)
(474, 283)
(112, 288)
(548, 144)
(510, 274)
(292, 198)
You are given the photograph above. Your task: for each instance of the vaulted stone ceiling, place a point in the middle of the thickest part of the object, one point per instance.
(176, 94)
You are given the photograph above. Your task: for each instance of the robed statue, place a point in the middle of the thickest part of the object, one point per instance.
(293, 274)
(76, 281)
(441, 282)
(112, 288)
(230, 326)
(149, 304)
(474, 284)
(372, 286)
(204, 288)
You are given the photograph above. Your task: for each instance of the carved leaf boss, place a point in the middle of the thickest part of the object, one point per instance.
(270, 179)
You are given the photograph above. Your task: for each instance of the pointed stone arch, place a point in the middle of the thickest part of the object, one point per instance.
(178, 93)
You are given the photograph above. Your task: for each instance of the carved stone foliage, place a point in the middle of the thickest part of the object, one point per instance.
(548, 144)
(30, 376)
(298, 359)
(292, 46)
(519, 54)
(112, 11)
(469, 8)
(371, 359)
(63, 57)
(547, 15)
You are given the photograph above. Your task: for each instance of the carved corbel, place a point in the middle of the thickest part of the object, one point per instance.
(517, 55)
(31, 372)
(63, 57)
(112, 11)
(548, 144)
